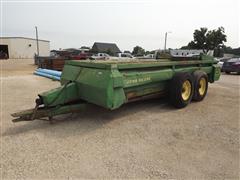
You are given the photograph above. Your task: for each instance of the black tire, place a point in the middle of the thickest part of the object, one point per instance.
(227, 72)
(200, 91)
(176, 90)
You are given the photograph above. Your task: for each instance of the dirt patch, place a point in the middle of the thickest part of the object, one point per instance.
(13, 67)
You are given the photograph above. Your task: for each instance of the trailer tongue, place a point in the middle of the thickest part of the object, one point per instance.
(58, 101)
(42, 112)
(111, 84)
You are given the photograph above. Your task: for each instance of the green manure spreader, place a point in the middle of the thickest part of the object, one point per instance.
(111, 84)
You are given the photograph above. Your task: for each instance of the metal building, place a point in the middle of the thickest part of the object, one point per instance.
(22, 47)
(110, 48)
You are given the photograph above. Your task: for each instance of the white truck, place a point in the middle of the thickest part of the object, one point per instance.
(125, 56)
(105, 56)
(100, 56)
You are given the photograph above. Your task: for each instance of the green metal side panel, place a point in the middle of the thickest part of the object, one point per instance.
(150, 82)
(70, 73)
(141, 78)
(135, 64)
(102, 87)
(61, 95)
(94, 86)
(216, 73)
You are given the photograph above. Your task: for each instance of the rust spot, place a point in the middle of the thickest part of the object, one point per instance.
(131, 95)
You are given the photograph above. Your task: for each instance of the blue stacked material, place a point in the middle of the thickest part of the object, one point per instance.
(48, 71)
(55, 75)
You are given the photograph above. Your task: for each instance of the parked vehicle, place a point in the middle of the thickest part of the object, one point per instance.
(232, 65)
(111, 84)
(125, 56)
(60, 54)
(80, 56)
(100, 56)
(149, 56)
(221, 61)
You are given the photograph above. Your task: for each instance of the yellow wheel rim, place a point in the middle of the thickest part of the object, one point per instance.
(202, 86)
(186, 90)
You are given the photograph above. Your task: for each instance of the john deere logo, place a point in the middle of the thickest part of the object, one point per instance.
(138, 80)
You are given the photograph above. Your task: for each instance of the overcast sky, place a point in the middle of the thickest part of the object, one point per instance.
(127, 23)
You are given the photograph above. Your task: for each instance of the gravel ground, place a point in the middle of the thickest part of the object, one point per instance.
(148, 139)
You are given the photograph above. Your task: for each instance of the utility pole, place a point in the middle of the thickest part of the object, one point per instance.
(37, 40)
(165, 44)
